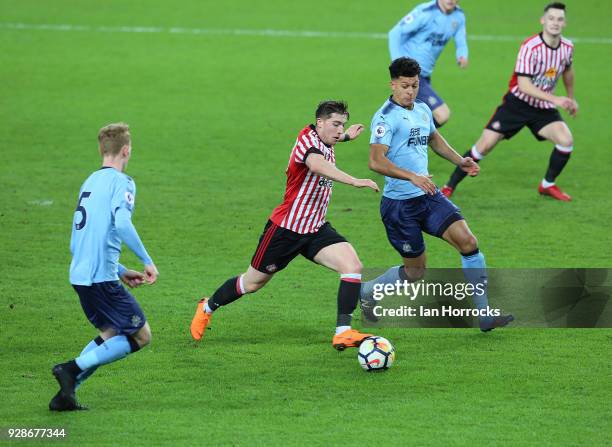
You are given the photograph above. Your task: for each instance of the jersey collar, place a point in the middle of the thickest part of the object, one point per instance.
(548, 46)
(392, 101)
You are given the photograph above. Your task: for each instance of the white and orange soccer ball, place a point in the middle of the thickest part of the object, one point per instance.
(376, 354)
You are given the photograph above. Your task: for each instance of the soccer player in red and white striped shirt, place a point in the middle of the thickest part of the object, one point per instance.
(542, 60)
(298, 227)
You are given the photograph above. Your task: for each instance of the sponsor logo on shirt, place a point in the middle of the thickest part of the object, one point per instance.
(416, 139)
(326, 183)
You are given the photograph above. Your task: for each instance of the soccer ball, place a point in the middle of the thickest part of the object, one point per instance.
(376, 354)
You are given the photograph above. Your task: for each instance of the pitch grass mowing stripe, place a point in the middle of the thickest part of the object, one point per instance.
(262, 32)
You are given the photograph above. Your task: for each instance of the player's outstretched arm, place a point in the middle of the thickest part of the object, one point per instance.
(441, 147)
(320, 166)
(352, 132)
(380, 163)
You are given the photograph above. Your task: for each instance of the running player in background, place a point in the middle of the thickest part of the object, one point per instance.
(422, 35)
(102, 221)
(412, 204)
(542, 60)
(298, 226)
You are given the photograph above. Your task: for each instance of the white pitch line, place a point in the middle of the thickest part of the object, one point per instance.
(262, 32)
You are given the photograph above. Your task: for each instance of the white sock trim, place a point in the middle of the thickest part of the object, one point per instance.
(241, 285)
(475, 154)
(564, 149)
(341, 329)
(207, 308)
(351, 276)
(546, 184)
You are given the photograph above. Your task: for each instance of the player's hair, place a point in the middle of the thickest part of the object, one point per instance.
(113, 137)
(555, 5)
(404, 66)
(326, 108)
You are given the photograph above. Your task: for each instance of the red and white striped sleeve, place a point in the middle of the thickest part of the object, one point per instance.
(307, 143)
(525, 61)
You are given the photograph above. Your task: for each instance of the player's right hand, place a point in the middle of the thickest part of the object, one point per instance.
(151, 273)
(462, 62)
(366, 183)
(132, 278)
(424, 182)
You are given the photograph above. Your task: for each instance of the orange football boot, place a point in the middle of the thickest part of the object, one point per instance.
(200, 321)
(351, 338)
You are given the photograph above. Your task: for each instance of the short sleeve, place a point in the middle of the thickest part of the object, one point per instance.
(304, 146)
(525, 62)
(382, 131)
(124, 195)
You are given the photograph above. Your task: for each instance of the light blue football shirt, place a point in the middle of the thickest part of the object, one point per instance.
(95, 243)
(407, 133)
(424, 32)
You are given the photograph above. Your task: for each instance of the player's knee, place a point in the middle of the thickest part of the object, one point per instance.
(143, 336)
(442, 115)
(415, 273)
(352, 266)
(566, 142)
(468, 244)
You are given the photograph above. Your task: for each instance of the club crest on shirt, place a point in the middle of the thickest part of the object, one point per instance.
(551, 73)
(425, 117)
(129, 198)
(380, 131)
(409, 18)
(454, 25)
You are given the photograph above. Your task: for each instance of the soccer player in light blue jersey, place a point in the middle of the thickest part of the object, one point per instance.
(422, 35)
(401, 131)
(102, 221)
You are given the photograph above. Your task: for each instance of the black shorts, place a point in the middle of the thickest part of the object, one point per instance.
(513, 114)
(278, 246)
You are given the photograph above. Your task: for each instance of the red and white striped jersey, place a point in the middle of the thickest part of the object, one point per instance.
(543, 64)
(307, 194)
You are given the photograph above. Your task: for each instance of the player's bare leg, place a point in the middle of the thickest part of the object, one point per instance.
(441, 115)
(459, 235)
(559, 133)
(415, 267)
(342, 258)
(249, 282)
(485, 144)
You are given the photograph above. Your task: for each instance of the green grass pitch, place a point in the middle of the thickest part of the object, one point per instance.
(213, 118)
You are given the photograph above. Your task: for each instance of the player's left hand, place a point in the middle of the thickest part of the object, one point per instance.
(462, 62)
(468, 165)
(573, 108)
(355, 130)
(132, 278)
